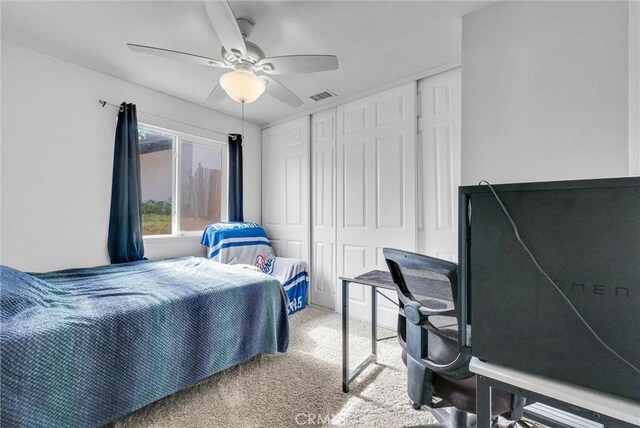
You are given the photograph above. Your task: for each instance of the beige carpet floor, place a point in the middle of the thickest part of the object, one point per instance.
(299, 388)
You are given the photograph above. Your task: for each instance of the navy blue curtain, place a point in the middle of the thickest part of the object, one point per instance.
(125, 223)
(235, 178)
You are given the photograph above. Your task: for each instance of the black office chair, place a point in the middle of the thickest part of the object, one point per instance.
(438, 373)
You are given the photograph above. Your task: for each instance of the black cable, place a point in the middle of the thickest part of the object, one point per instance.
(535, 262)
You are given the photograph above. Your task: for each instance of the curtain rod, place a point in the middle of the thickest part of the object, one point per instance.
(104, 103)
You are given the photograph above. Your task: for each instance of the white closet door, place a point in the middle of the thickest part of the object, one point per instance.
(323, 209)
(439, 167)
(285, 191)
(376, 189)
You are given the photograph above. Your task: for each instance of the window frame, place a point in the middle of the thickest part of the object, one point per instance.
(178, 137)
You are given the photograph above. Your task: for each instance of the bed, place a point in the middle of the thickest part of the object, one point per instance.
(82, 347)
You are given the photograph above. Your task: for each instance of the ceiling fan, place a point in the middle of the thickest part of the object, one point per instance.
(251, 75)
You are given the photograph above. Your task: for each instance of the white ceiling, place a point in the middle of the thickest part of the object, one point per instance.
(377, 42)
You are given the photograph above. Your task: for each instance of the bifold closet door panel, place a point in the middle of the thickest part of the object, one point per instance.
(324, 278)
(439, 170)
(285, 188)
(376, 191)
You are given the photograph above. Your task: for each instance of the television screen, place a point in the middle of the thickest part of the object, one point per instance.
(585, 235)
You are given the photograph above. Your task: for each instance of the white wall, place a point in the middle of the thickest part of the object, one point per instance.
(545, 91)
(57, 154)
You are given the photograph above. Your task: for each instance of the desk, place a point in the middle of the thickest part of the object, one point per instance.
(374, 279)
(596, 406)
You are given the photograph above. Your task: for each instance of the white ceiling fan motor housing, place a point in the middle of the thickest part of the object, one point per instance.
(254, 52)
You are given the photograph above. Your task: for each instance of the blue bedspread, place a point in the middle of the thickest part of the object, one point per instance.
(82, 347)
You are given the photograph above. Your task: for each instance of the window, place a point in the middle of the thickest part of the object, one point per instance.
(182, 168)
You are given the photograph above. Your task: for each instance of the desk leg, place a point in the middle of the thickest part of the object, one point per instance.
(374, 324)
(483, 402)
(345, 336)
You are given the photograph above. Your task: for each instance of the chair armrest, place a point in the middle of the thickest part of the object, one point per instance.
(460, 363)
(458, 366)
(438, 312)
(418, 322)
(419, 315)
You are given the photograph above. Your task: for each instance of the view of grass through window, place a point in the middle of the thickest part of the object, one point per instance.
(199, 178)
(156, 218)
(156, 164)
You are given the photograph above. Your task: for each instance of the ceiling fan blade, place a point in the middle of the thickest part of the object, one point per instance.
(216, 95)
(294, 64)
(225, 25)
(168, 53)
(281, 92)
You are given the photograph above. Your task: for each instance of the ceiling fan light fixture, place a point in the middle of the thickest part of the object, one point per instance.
(242, 86)
(246, 59)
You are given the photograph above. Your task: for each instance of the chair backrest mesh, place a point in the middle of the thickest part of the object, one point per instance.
(430, 288)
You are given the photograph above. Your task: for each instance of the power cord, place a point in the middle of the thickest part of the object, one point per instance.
(535, 262)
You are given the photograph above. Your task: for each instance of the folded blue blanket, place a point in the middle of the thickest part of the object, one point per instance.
(237, 242)
(83, 347)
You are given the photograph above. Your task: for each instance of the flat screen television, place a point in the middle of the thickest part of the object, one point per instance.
(586, 236)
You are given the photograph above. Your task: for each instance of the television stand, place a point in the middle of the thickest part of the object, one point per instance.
(605, 409)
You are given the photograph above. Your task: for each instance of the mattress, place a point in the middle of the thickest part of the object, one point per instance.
(83, 347)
